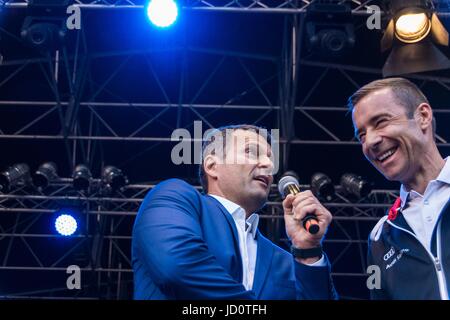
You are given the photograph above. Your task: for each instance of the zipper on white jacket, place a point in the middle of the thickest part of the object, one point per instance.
(441, 274)
(436, 260)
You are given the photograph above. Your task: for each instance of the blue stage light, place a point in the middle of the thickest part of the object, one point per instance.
(162, 13)
(66, 225)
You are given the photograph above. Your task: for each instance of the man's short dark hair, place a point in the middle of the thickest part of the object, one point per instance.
(223, 131)
(406, 93)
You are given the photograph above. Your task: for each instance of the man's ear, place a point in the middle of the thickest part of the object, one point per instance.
(425, 116)
(210, 165)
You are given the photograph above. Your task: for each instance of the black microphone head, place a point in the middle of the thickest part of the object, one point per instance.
(289, 177)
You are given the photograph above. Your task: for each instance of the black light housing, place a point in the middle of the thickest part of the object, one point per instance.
(81, 177)
(355, 185)
(43, 34)
(412, 32)
(46, 173)
(16, 174)
(322, 186)
(113, 178)
(330, 29)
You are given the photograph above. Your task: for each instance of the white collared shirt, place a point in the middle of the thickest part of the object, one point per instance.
(248, 245)
(422, 211)
(247, 238)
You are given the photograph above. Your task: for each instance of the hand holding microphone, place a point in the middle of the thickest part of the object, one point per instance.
(305, 217)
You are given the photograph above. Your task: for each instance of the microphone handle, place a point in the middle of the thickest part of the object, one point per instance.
(310, 222)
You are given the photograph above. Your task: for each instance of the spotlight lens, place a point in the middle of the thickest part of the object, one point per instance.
(411, 28)
(162, 13)
(66, 225)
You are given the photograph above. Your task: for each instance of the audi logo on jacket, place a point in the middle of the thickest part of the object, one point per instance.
(408, 269)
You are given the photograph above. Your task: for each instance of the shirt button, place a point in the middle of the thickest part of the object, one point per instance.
(426, 202)
(428, 218)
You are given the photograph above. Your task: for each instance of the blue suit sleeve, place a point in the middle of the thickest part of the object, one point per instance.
(168, 236)
(314, 282)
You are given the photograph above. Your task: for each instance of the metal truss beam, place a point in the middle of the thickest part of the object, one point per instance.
(308, 113)
(18, 103)
(247, 6)
(229, 6)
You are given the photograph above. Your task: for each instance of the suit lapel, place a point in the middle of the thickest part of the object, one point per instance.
(234, 231)
(263, 262)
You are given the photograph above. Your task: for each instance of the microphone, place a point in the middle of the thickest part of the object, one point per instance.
(288, 184)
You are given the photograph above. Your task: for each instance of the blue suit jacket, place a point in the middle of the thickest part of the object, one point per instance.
(185, 246)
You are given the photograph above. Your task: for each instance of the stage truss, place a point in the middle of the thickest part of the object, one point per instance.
(79, 104)
(102, 246)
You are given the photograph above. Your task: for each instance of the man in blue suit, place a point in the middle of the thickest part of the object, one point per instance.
(187, 245)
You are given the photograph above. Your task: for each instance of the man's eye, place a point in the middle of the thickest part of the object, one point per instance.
(254, 152)
(381, 122)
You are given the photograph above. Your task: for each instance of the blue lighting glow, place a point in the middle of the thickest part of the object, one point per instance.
(66, 225)
(162, 13)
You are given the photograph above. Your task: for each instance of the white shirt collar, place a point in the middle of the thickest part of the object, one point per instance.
(235, 210)
(444, 177)
(403, 196)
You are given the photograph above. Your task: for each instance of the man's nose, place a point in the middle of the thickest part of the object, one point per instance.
(373, 139)
(266, 162)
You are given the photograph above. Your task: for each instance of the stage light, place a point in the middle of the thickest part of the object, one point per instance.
(355, 185)
(162, 13)
(81, 177)
(113, 178)
(43, 34)
(330, 30)
(322, 186)
(412, 33)
(411, 28)
(18, 173)
(45, 25)
(66, 224)
(45, 174)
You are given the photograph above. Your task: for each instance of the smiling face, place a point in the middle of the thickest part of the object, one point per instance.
(394, 143)
(245, 175)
